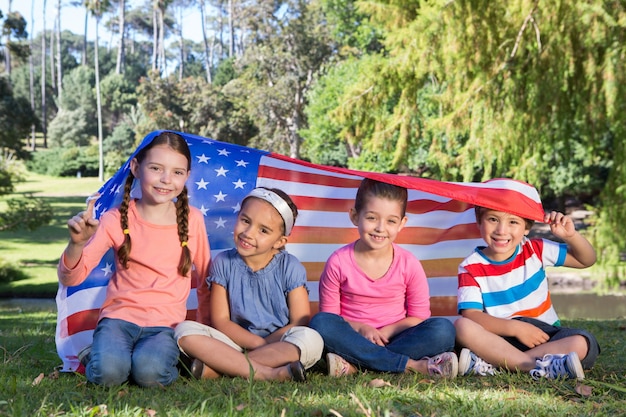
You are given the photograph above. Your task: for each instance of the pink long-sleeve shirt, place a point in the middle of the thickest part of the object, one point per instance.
(402, 292)
(151, 292)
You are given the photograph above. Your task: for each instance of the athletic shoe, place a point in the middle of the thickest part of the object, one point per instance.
(559, 366)
(337, 366)
(84, 355)
(445, 365)
(470, 363)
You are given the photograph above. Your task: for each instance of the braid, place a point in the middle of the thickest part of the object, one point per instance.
(124, 251)
(182, 218)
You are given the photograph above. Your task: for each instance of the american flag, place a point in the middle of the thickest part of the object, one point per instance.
(441, 229)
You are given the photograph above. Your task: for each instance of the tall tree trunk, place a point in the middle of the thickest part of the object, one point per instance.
(59, 62)
(7, 55)
(84, 52)
(31, 73)
(231, 30)
(207, 54)
(98, 105)
(44, 126)
(161, 15)
(53, 80)
(121, 51)
(155, 35)
(181, 41)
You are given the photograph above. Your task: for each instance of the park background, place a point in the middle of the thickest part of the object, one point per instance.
(448, 90)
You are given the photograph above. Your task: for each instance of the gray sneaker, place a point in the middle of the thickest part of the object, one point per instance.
(445, 365)
(559, 366)
(472, 364)
(84, 355)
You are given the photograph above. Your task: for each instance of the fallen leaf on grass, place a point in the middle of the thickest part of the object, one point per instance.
(240, 407)
(378, 383)
(582, 389)
(150, 412)
(37, 380)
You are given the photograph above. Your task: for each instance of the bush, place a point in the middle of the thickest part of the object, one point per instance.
(25, 213)
(67, 162)
(10, 272)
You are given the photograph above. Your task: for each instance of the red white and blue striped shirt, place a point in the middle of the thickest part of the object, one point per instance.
(517, 287)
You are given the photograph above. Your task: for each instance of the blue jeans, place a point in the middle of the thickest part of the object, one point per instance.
(122, 351)
(429, 338)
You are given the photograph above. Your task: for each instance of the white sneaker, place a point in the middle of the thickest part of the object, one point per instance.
(337, 366)
(445, 365)
(559, 366)
(470, 363)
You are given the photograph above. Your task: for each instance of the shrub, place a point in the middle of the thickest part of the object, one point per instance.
(10, 272)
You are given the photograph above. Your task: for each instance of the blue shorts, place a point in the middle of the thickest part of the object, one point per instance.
(556, 333)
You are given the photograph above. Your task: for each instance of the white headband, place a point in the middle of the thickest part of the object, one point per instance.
(278, 203)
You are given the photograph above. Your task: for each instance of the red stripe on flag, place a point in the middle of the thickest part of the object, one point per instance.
(430, 235)
(443, 306)
(81, 321)
(270, 172)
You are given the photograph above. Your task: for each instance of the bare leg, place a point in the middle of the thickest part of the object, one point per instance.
(224, 360)
(498, 352)
(275, 354)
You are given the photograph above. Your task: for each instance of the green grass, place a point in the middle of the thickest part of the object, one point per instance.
(28, 348)
(37, 252)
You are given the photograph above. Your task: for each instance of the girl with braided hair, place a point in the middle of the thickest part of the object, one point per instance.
(160, 244)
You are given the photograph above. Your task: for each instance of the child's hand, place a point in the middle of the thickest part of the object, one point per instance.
(528, 334)
(373, 335)
(82, 226)
(561, 225)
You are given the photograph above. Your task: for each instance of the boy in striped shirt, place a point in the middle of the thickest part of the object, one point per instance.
(507, 318)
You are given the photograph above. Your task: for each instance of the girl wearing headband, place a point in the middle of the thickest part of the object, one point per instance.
(160, 245)
(259, 304)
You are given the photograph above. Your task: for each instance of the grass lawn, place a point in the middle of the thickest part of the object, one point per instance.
(30, 386)
(37, 252)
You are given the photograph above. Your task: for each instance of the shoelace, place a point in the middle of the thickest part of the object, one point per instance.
(550, 366)
(481, 367)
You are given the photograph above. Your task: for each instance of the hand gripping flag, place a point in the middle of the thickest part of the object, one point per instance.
(441, 229)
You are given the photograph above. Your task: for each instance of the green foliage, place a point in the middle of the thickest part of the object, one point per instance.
(10, 272)
(16, 118)
(69, 128)
(66, 162)
(79, 91)
(25, 213)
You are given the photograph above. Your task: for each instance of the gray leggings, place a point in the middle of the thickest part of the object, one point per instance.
(556, 333)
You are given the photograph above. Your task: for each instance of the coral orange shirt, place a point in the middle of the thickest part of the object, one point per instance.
(151, 292)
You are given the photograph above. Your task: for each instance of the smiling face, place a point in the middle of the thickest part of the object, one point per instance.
(259, 233)
(162, 174)
(502, 232)
(379, 221)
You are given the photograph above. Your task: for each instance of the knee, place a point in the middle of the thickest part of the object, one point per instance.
(308, 341)
(151, 371)
(107, 371)
(320, 321)
(444, 329)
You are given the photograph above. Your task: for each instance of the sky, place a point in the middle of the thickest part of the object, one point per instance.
(73, 18)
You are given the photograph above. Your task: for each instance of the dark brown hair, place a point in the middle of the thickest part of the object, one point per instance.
(379, 189)
(286, 198)
(480, 211)
(178, 144)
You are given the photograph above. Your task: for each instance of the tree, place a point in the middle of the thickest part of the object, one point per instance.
(97, 8)
(121, 47)
(16, 118)
(14, 30)
(507, 84)
(290, 45)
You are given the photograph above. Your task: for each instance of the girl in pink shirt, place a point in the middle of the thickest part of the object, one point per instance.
(374, 298)
(147, 294)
